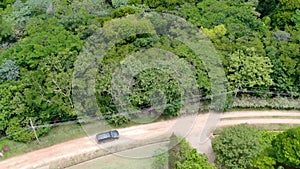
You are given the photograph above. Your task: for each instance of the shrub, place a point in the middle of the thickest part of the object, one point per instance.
(123, 11)
(260, 102)
(9, 70)
(237, 147)
(118, 3)
(287, 147)
(183, 156)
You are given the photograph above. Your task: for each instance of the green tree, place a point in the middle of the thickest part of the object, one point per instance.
(45, 59)
(45, 38)
(285, 60)
(248, 69)
(238, 17)
(284, 12)
(266, 7)
(237, 147)
(287, 147)
(5, 3)
(296, 19)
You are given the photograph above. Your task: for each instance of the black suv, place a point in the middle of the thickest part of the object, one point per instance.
(110, 135)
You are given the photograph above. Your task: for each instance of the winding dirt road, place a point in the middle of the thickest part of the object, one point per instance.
(190, 126)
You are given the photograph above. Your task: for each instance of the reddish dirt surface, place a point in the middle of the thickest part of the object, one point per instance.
(191, 127)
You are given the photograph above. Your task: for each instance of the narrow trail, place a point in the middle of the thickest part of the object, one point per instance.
(43, 157)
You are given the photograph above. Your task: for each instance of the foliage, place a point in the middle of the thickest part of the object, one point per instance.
(123, 11)
(160, 4)
(192, 159)
(22, 12)
(183, 156)
(118, 3)
(286, 147)
(16, 130)
(215, 33)
(248, 69)
(265, 162)
(265, 159)
(283, 13)
(237, 16)
(46, 59)
(278, 102)
(285, 60)
(5, 3)
(266, 7)
(6, 29)
(9, 70)
(237, 146)
(296, 19)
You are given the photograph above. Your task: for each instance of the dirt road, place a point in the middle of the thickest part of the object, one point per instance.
(189, 127)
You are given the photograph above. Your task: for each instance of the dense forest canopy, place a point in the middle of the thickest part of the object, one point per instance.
(40, 40)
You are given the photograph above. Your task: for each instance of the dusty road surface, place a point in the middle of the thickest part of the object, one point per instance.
(190, 127)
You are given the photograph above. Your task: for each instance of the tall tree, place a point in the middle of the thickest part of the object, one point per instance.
(248, 69)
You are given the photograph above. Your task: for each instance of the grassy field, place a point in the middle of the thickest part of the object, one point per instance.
(113, 162)
(140, 158)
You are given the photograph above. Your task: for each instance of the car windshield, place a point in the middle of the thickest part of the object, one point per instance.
(103, 136)
(114, 134)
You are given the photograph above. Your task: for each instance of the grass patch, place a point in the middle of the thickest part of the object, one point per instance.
(276, 127)
(268, 127)
(56, 135)
(260, 117)
(113, 162)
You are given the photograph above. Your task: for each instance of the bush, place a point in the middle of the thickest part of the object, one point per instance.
(18, 130)
(265, 162)
(237, 147)
(9, 70)
(118, 3)
(261, 102)
(123, 11)
(287, 147)
(183, 156)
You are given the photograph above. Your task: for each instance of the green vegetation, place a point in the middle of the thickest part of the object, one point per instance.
(286, 147)
(183, 156)
(237, 147)
(245, 147)
(113, 162)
